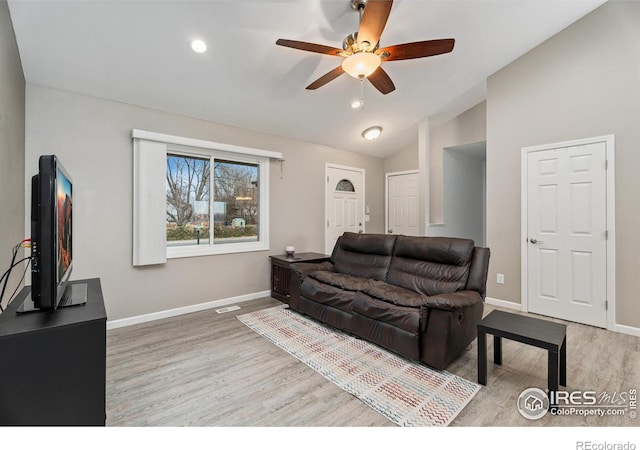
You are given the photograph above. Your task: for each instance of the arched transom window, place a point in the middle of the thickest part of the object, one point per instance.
(345, 185)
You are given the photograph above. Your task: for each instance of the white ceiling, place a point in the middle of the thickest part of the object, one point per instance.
(137, 52)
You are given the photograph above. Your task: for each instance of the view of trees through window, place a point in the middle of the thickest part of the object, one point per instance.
(235, 201)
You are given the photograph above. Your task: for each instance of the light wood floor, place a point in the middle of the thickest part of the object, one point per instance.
(209, 369)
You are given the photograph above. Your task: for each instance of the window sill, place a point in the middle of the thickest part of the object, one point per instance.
(220, 249)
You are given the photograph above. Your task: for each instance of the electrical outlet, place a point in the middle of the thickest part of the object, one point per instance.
(500, 278)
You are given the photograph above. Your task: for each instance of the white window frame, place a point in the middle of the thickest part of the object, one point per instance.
(263, 206)
(150, 151)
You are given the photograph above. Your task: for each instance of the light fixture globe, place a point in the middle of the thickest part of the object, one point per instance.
(361, 64)
(372, 133)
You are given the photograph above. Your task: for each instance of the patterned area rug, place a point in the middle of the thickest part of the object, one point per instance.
(407, 393)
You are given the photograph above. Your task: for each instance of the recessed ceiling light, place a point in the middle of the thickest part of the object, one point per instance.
(372, 133)
(198, 46)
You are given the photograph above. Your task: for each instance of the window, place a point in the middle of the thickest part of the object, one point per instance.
(345, 185)
(235, 207)
(213, 203)
(188, 200)
(194, 198)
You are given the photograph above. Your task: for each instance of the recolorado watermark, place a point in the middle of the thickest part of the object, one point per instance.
(588, 445)
(534, 403)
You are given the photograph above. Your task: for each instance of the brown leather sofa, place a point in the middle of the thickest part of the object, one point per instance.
(420, 297)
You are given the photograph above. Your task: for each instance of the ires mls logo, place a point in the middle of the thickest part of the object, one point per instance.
(533, 403)
(575, 398)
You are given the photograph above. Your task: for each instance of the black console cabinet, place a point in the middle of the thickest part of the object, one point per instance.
(53, 363)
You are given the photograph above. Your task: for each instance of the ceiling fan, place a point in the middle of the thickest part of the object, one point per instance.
(361, 52)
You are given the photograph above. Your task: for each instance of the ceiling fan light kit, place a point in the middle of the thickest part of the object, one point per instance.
(361, 65)
(363, 57)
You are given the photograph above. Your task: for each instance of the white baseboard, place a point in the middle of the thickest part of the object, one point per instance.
(625, 329)
(503, 303)
(112, 324)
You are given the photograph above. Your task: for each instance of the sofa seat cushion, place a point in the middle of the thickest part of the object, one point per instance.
(407, 318)
(343, 280)
(333, 289)
(326, 295)
(395, 294)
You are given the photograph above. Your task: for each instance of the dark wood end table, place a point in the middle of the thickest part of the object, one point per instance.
(550, 336)
(281, 272)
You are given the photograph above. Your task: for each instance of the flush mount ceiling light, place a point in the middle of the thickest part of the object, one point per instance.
(372, 133)
(356, 104)
(198, 46)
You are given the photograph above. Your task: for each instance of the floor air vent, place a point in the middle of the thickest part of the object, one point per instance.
(227, 309)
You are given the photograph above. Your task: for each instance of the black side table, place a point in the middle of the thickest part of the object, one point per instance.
(550, 336)
(281, 272)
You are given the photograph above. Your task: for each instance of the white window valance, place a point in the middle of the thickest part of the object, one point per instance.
(198, 143)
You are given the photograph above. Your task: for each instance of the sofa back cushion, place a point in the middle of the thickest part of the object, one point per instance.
(431, 265)
(363, 255)
(479, 270)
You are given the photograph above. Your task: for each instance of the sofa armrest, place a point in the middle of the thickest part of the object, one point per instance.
(454, 300)
(298, 272)
(303, 269)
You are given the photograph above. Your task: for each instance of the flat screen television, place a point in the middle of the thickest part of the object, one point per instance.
(52, 239)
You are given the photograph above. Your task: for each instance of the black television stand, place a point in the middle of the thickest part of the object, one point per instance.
(75, 294)
(54, 363)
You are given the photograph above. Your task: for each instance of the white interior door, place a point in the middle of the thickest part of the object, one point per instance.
(402, 203)
(566, 233)
(344, 203)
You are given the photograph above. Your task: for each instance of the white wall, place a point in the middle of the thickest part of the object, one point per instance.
(467, 128)
(584, 82)
(463, 195)
(402, 160)
(12, 108)
(92, 137)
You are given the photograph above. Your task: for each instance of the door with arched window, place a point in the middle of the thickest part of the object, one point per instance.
(344, 203)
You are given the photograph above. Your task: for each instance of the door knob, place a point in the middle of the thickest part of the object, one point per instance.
(360, 231)
(390, 231)
(535, 241)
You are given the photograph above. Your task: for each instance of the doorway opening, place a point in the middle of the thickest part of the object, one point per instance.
(464, 192)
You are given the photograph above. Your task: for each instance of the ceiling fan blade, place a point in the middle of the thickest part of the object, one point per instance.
(420, 49)
(374, 18)
(324, 79)
(381, 81)
(309, 47)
